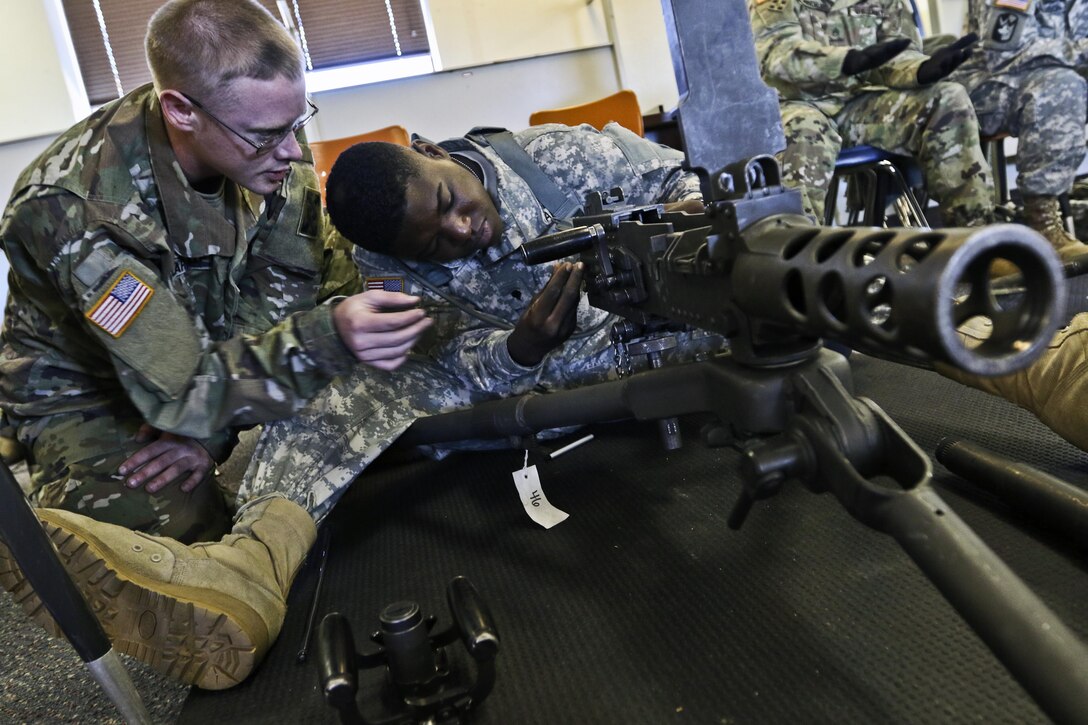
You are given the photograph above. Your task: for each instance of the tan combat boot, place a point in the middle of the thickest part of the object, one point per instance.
(205, 613)
(1054, 387)
(1044, 215)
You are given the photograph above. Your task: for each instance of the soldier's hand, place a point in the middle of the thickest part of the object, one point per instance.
(946, 59)
(859, 60)
(550, 318)
(380, 327)
(692, 206)
(167, 459)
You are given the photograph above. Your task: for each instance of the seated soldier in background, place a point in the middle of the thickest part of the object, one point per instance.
(446, 221)
(852, 73)
(1023, 83)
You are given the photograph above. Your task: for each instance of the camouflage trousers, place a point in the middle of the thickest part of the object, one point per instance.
(935, 124)
(73, 461)
(316, 454)
(1045, 109)
(313, 456)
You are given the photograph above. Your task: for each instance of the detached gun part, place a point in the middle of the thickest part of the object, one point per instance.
(1037, 495)
(423, 689)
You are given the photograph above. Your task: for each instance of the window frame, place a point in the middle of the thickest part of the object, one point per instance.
(318, 80)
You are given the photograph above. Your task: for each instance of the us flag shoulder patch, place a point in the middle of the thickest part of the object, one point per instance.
(1014, 4)
(389, 284)
(121, 304)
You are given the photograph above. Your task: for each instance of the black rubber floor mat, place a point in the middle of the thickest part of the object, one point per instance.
(643, 607)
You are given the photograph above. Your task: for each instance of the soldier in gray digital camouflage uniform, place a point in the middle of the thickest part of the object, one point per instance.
(1023, 82)
(446, 222)
(170, 284)
(852, 73)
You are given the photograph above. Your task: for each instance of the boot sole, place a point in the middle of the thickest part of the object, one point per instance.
(182, 639)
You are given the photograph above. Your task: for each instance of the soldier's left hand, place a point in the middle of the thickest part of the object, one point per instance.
(550, 318)
(945, 60)
(168, 458)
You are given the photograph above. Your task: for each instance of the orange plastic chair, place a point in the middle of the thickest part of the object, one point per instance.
(621, 107)
(325, 152)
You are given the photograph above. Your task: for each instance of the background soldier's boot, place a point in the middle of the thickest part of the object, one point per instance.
(1054, 387)
(1044, 215)
(204, 613)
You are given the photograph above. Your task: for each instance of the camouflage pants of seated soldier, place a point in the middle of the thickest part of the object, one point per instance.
(936, 125)
(74, 459)
(1044, 108)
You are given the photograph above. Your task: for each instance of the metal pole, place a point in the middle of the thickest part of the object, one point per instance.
(37, 559)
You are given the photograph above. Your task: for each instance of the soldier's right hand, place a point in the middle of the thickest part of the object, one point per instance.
(380, 327)
(550, 318)
(859, 60)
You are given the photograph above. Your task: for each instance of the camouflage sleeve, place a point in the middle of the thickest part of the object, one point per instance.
(176, 376)
(656, 170)
(789, 61)
(470, 349)
(339, 275)
(902, 70)
(1078, 32)
(481, 359)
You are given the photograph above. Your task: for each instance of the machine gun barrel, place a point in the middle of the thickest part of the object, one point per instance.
(781, 284)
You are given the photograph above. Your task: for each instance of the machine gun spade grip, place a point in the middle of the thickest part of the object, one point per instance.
(338, 672)
(561, 244)
(473, 620)
(478, 633)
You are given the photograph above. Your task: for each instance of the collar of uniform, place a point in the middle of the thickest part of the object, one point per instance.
(194, 227)
(467, 154)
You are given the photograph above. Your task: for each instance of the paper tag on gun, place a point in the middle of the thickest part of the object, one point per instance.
(533, 499)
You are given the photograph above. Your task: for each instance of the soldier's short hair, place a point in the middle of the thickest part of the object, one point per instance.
(200, 46)
(366, 193)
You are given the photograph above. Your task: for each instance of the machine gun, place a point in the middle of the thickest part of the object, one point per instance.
(752, 268)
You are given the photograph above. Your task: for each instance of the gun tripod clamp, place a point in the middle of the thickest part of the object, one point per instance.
(420, 685)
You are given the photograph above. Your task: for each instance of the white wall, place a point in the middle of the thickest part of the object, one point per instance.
(447, 104)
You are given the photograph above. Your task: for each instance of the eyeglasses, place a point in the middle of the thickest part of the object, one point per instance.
(269, 140)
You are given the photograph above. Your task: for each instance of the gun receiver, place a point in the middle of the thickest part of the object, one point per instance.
(774, 284)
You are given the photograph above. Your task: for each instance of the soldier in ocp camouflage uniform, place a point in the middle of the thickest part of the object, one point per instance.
(475, 214)
(105, 208)
(157, 305)
(1023, 82)
(168, 267)
(850, 73)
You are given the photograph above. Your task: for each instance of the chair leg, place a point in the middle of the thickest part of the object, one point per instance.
(1067, 213)
(908, 209)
